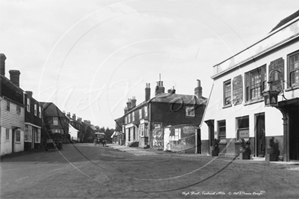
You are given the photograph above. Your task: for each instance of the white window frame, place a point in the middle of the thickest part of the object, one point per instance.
(18, 131)
(294, 70)
(227, 90)
(35, 109)
(190, 111)
(140, 113)
(28, 105)
(146, 111)
(177, 135)
(28, 133)
(133, 116)
(38, 136)
(40, 111)
(55, 120)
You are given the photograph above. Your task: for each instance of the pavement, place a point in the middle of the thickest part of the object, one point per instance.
(137, 151)
(133, 150)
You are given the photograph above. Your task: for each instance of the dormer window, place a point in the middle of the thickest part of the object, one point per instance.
(55, 121)
(190, 111)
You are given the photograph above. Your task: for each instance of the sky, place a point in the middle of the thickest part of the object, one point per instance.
(90, 57)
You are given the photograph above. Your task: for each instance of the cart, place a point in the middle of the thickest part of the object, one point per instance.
(54, 141)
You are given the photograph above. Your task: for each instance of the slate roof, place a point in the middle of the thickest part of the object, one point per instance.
(51, 110)
(286, 20)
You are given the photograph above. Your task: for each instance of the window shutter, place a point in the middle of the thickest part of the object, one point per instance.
(263, 78)
(247, 85)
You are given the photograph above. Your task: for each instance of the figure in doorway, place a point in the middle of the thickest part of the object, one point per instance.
(262, 142)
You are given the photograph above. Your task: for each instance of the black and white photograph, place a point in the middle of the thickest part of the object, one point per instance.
(149, 99)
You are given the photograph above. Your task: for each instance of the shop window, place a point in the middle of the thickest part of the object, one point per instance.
(190, 111)
(222, 130)
(255, 82)
(28, 133)
(293, 69)
(38, 136)
(176, 136)
(242, 127)
(227, 93)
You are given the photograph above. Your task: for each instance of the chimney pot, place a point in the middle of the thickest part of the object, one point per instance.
(29, 94)
(2, 64)
(133, 102)
(198, 89)
(15, 77)
(147, 92)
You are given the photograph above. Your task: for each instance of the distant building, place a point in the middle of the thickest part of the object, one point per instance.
(119, 134)
(11, 111)
(256, 96)
(152, 123)
(54, 120)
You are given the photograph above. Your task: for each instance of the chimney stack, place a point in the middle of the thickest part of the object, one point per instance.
(125, 110)
(129, 104)
(15, 77)
(68, 115)
(159, 89)
(2, 64)
(74, 117)
(87, 122)
(198, 89)
(29, 94)
(133, 102)
(147, 92)
(171, 91)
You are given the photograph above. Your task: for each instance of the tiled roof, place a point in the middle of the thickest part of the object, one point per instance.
(173, 99)
(178, 99)
(286, 20)
(51, 110)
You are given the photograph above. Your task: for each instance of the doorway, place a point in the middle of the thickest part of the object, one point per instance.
(198, 141)
(260, 137)
(294, 133)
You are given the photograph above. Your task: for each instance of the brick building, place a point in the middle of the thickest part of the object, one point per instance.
(147, 122)
(33, 122)
(54, 121)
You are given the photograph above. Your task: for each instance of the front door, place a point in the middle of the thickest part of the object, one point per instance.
(198, 142)
(13, 140)
(294, 132)
(260, 135)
